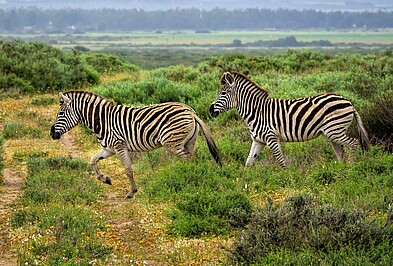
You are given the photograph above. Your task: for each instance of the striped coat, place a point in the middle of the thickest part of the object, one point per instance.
(272, 120)
(123, 129)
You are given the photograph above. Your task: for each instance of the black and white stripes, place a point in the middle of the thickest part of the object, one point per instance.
(122, 129)
(272, 120)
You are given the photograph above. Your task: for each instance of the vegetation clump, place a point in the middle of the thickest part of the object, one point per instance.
(30, 67)
(206, 202)
(312, 232)
(108, 64)
(54, 208)
(379, 121)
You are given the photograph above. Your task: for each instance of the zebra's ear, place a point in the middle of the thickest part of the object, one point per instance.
(64, 99)
(227, 79)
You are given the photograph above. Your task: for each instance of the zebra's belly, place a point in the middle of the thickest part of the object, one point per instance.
(283, 137)
(298, 138)
(142, 146)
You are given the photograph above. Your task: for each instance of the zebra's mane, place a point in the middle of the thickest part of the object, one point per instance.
(91, 94)
(237, 74)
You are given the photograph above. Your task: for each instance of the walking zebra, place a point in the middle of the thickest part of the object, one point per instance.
(273, 120)
(123, 129)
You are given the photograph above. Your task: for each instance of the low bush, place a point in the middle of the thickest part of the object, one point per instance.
(378, 119)
(177, 84)
(41, 164)
(108, 64)
(302, 226)
(43, 101)
(205, 199)
(149, 91)
(16, 129)
(22, 65)
(179, 73)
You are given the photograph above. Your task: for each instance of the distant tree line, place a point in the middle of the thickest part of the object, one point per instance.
(289, 41)
(66, 20)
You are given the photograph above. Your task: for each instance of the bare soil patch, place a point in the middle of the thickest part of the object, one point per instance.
(10, 191)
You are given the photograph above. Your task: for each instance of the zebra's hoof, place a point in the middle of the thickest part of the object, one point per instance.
(108, 180)
(129, 196)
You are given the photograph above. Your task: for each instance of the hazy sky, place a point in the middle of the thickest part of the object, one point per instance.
(205, 4)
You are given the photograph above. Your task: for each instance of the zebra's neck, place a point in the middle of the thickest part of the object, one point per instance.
(94, 112)
(250, 101)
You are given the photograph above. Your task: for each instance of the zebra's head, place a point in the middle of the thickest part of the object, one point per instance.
(66, 118)
(226, 98)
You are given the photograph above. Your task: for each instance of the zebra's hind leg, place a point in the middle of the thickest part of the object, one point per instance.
(182, 151)
(344, 140)
(189, 146)
(102, 154)
(125, 158)
(339, 151)
(182, 147)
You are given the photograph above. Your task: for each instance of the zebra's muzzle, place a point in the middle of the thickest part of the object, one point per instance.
(212, 112)
(54, 134)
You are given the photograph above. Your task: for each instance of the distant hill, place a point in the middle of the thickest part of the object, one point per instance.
(347, 5)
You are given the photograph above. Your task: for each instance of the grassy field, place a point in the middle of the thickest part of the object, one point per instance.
(59, 188)
(192, 40)
(317, 211)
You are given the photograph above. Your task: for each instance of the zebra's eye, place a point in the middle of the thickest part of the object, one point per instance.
(61, 113)
(223, 93)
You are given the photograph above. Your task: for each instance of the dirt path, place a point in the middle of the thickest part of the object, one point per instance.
(68, 144)
(134, 235)
(9, 192)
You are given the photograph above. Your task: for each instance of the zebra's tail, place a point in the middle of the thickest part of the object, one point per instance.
(209, 139)
(363, 136)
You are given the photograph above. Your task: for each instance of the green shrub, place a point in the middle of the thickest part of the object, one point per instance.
(105, 63)
(36, 67)
(45, 101)
(205, 199)
(378, 119)
(15, 129)
(302, 226)
(149, 91)
(227, 208)
(41, 164)
(11, 82)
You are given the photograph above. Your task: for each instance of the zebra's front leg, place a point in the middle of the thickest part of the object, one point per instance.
(102, 154)
(256, 148)
(125, 158)
(274, 145)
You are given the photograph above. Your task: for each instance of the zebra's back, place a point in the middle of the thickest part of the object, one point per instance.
(306, 118)
(148, 127)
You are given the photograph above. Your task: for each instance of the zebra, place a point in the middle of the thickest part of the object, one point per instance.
(122, 129)
(272, 120)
